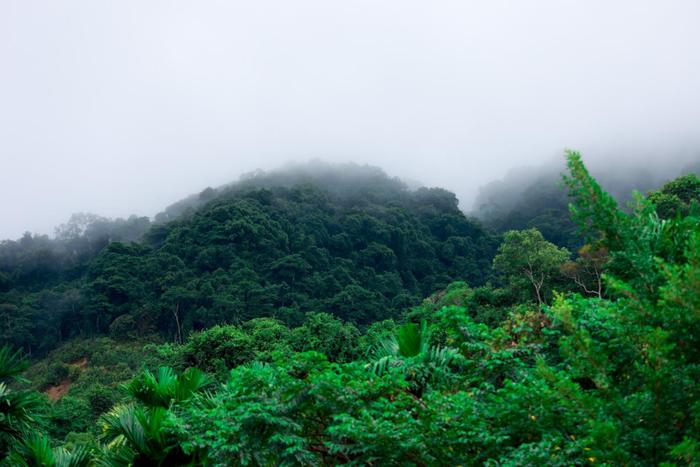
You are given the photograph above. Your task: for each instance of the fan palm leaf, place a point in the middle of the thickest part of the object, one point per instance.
(165, 387)
(138, 436)
(36, 450)
(190, 382)
(410, 343)
(18, 411)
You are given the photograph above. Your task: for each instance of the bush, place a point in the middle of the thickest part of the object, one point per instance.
(70, 414)
(219, 348)
(123, 328)
(324, 333)
(101, 398)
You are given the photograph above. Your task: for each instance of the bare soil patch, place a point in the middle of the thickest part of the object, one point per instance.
(54, 393)
(58, 391)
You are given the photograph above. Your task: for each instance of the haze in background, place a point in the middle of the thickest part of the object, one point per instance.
(125, 107)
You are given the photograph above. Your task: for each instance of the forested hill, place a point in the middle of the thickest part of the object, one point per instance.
(560, 359)
(346, 240)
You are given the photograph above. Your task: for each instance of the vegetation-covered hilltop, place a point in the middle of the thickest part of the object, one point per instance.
(346, 240)
(285, 324)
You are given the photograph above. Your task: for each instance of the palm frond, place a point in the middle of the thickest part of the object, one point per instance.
(165, 387)
(79, 457)
(116, 453)
(388, 347)
(425, 337)
(408, 337)
(190, 382)
(205, 400)
(12, 363)
(384, 355)
(410, 344)
(442, 356)
(121, 424)
(132, 431)
(36, 450)
(382, 365)
(18, 410)
(154, 390)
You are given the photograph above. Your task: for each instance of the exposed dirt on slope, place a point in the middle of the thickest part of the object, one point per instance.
(58, 391)
(54, 393)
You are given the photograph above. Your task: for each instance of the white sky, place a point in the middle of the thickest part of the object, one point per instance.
(120, 107)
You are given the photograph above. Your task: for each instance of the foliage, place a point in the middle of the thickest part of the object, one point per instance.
(525, 257)
(410, 349)
(140, 432)
(587, 270)
(676, 196)
(19, 409)
(138, 436)
(602, 369)
(165, 387)
(324, 333)
(37, 451)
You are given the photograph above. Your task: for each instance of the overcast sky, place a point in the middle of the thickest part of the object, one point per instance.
(120, 107)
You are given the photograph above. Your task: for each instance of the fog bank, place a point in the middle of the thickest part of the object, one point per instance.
(125, 107)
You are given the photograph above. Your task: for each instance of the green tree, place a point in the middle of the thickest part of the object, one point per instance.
(324, 333)
(587, 270)
(219, 348)
(526, 257)
(676, 196)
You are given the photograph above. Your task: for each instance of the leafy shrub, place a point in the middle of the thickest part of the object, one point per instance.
(123, 328)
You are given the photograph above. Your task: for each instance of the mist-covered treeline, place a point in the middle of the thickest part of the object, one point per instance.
(35, 261)
(348, 183)
(536, 197)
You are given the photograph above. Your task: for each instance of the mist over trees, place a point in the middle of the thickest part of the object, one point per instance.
(535, 197)
(38, 260)
(347, 181)
(340, 238)
(286, 321)
(437, 281)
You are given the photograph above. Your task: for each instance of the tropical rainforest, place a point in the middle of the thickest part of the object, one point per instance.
(336, 316)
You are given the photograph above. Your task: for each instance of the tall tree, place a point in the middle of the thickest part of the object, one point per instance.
(526, 256)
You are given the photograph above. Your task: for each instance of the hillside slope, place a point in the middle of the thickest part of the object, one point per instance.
(348, 240)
